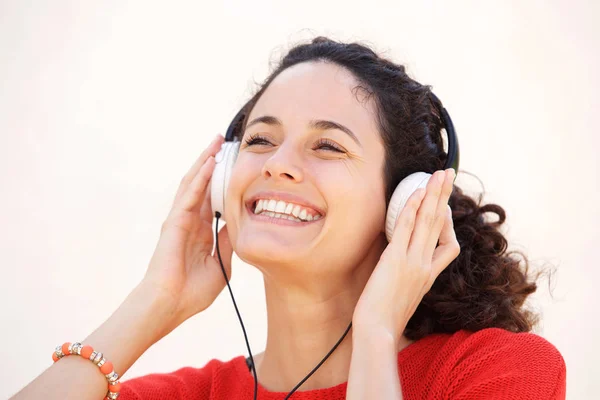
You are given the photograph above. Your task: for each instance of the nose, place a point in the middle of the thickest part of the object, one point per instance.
(284, 164)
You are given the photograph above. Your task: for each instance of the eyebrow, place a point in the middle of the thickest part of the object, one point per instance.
(314, 124)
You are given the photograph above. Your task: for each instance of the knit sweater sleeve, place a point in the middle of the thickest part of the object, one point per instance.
(183, 384)
(505, 365)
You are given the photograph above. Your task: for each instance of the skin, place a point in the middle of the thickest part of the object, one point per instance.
(423, 244)
(317, 277)
(314, 275)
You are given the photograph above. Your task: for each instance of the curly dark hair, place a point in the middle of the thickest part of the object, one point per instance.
(485, 286)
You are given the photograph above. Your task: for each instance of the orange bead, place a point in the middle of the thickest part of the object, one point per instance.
(54, 357)
(65, 348)
(115, 388)
(106, 368)
(86, 351)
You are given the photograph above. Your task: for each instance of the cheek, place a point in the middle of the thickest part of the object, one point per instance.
(347, 185)
(245, 171)
(355, 197)
(356, 224)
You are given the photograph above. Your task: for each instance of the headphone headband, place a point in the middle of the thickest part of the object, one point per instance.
(235, 123)
(452, 161)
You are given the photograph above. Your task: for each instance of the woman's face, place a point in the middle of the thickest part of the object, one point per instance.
(315, 153)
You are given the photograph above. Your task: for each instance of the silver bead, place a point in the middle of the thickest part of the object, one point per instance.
(101, 363)
(77, 348)
(112, 377)
(98, 358)
(58, 352)
(93, 355)
(112, 395)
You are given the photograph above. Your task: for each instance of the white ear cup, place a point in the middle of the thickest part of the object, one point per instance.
(225, 159)
(400, 196)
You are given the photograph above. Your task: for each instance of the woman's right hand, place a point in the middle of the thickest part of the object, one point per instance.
(184, 271)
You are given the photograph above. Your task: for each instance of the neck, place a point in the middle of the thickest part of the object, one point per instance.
(299, 336)
(304, 323)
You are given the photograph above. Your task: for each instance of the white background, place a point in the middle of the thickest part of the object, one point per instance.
(105, 105)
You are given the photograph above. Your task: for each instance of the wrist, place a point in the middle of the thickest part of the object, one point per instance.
(373, 366)
(151, 310)
(374, 328)
(139, 322)
(373, 336)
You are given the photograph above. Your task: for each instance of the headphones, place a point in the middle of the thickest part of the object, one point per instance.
(225, 160)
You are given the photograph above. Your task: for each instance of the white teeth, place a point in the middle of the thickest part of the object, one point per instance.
(288, 209)
(280, 207)
(259, 207)
(303, 214)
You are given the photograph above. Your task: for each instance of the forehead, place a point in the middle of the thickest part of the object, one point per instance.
(318, 90)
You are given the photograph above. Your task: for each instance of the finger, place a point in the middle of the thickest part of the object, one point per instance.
(194, 194)
(206, 212)
(449, 247)
(212, 149)
(426, 217)
(406, 222)
(441, 213)
(225, 249)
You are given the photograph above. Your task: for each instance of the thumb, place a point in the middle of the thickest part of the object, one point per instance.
(225, 250)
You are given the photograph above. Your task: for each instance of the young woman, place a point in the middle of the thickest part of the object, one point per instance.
(435, 311)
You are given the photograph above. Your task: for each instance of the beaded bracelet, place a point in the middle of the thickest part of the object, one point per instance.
(106, 367)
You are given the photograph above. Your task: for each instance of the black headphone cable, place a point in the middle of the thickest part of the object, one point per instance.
(217, 216)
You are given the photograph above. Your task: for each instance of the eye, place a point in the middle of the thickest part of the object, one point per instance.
(329, 145)
(256, 139)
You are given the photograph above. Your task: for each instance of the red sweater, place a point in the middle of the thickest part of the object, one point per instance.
(488, 364)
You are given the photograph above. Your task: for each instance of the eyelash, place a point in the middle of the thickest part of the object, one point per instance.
(321, 143)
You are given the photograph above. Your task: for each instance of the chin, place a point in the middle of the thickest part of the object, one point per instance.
(263, 250)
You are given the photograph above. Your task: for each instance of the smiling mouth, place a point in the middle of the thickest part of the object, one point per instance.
(285, 211)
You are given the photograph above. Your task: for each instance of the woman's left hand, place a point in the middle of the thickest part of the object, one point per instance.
(411, 261)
